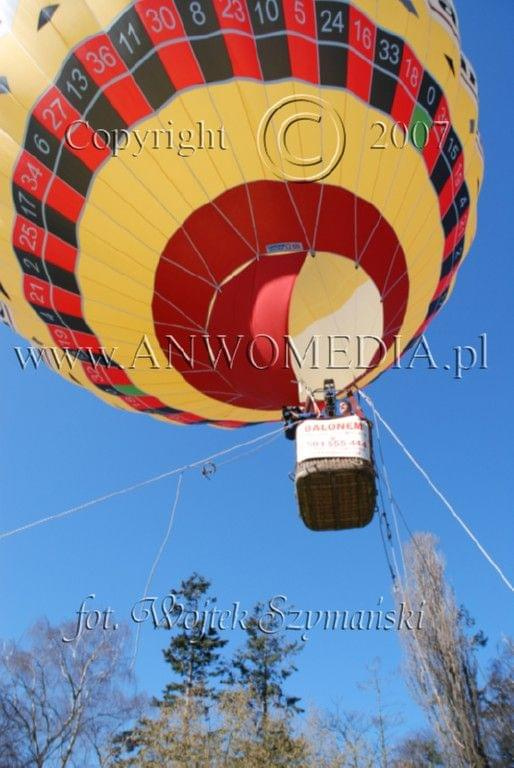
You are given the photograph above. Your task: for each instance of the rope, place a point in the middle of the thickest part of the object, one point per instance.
(395, 507)
(392, 501)
(135, 486)
(156, 563)
(384, 526)
(438, 493)
(384, 522)
(248, 452)
(399, 581)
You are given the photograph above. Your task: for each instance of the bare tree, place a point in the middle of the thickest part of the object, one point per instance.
(176, 737)
(498, 707)
(62, 701)
(418, 750)
(9, 744)
(441, 658)
(346, 737)
(324, 744)
(382, 720)
(179, 736)
(247, 742)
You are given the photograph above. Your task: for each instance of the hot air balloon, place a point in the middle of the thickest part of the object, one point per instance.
(208, 203)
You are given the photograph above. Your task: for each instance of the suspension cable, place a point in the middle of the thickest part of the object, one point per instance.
(438, 493)
(135, 486)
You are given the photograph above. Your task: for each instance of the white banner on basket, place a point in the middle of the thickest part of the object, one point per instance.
(346, 437)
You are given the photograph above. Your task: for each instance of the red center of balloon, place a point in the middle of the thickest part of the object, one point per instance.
(225, 279)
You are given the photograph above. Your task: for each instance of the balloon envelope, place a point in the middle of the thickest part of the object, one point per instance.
(205, 203)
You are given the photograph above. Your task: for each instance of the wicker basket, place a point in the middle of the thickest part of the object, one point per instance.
(335, 493)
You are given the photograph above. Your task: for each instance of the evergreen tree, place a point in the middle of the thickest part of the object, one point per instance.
(263, 665)
(194, 653)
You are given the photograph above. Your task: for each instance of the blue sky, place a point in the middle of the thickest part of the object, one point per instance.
(60, 446)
